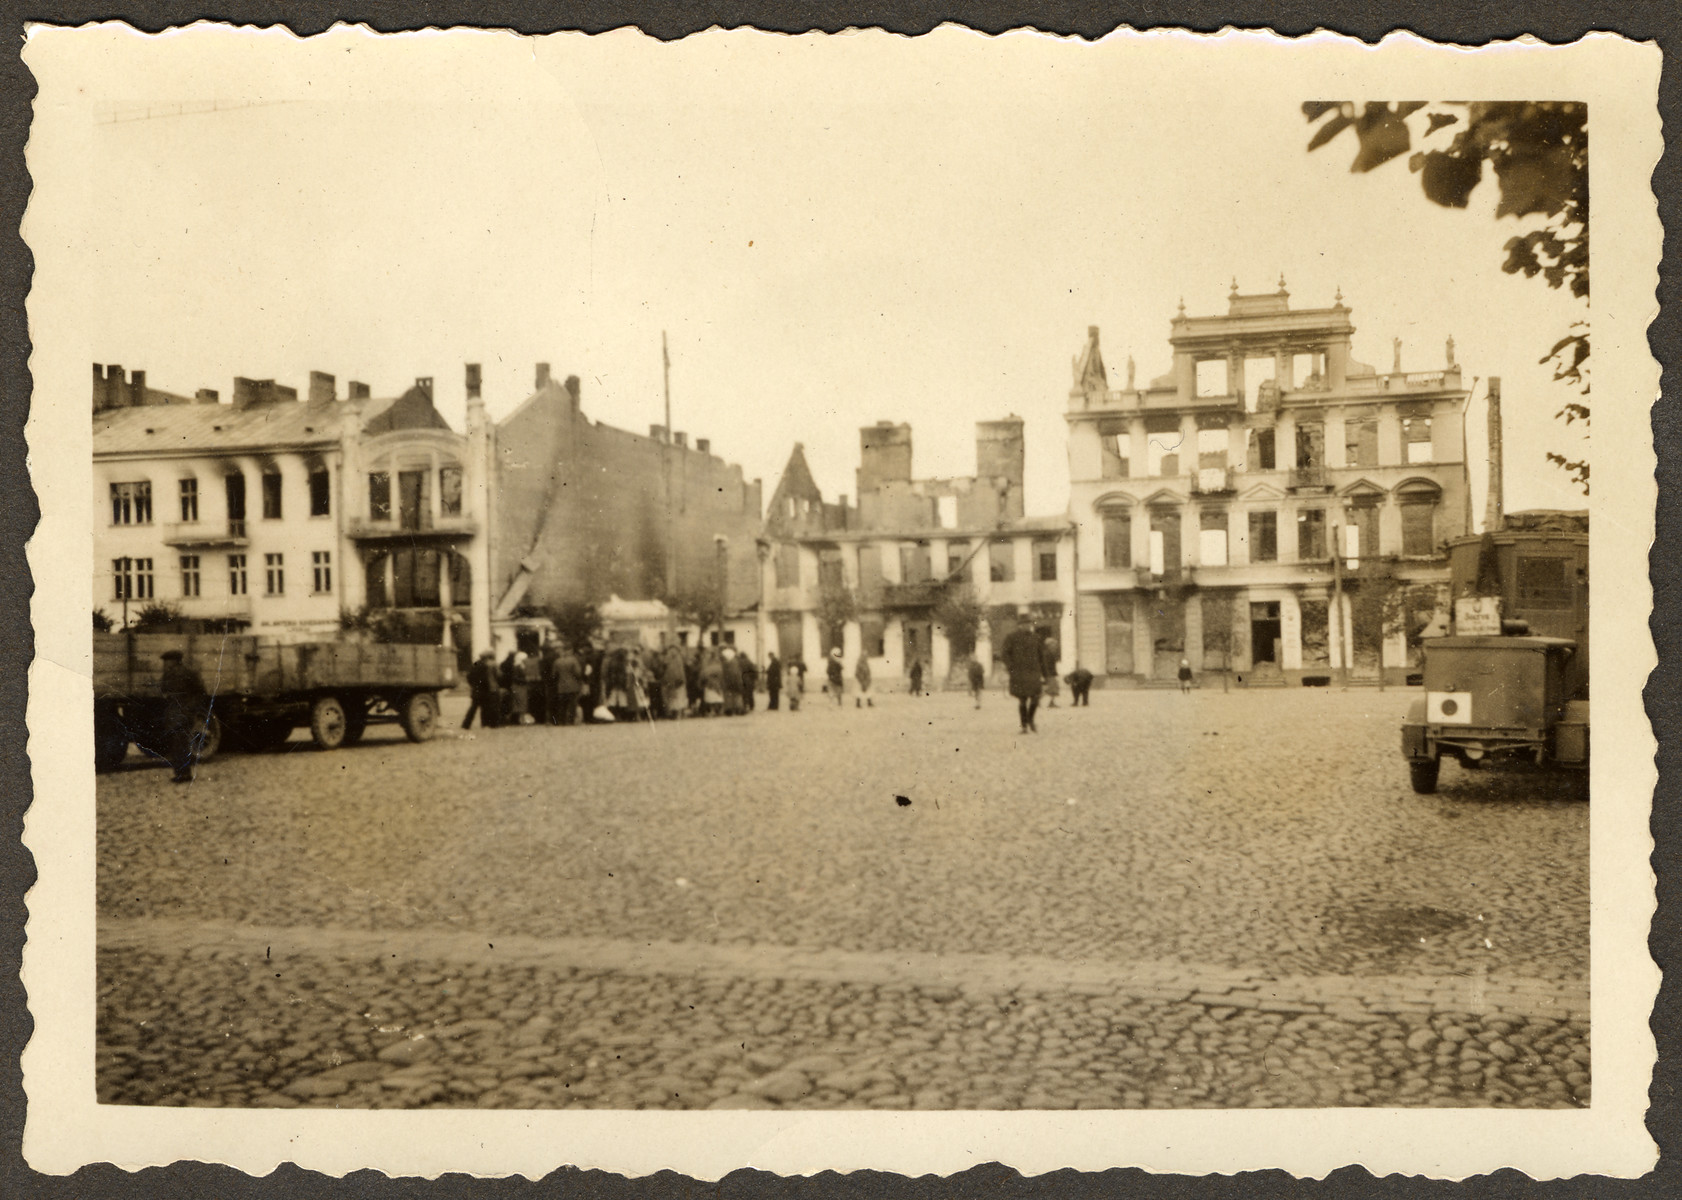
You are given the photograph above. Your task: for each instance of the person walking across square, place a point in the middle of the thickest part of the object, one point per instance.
(977, 679)
(1021, 654)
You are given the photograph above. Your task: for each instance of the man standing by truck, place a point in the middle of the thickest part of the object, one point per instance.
(186, 713)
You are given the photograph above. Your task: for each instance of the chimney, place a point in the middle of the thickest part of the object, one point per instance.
(473, 385)
(657, 432)
(245, 391)
(571, 389)
(704, 445)
(207, 396)
(1493, 514)
(101, 393)
(542, 376)
(681, 438)
(137, 387)
(356, 390)
(323, 387)
(116, 389)
(424, 383)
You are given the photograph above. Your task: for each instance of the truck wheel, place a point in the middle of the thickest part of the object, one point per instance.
(209, 738)
(110, 742)
(420, 716)
(328, 722)
(1422, 772)
(356, 721)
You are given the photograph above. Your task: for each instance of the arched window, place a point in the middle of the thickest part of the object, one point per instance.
(1116, 517)
(1419, 499)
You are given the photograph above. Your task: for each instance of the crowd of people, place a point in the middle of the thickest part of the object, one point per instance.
(558, 685)
(561, 686)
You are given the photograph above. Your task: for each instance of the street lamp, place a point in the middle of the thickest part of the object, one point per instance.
(1342, 647)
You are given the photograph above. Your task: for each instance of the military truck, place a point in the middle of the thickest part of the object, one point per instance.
(262, 689)
(1511, 681)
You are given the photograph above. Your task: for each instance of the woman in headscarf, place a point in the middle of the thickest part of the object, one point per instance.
(712, 684)
(673, 684)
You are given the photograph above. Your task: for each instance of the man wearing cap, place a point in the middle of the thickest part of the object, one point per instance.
(1022, 658)
(186, 713)
(485, 698)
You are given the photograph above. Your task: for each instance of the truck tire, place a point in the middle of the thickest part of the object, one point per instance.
(328, 722)
(419, 716)
(110, 741)
(209, 738)
(1422, 773)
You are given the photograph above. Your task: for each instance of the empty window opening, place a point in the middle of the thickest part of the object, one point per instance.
(946, 509)
(1416, 435)
(271, 495)
(1259, 374)
(1261, 454)
(1001, 561)
(1264, 536)
(1114, 448)
(1118, 539)
(1211, 538)
(1311, 534)
(1212, 377)
(321, 493)
(1360, 442)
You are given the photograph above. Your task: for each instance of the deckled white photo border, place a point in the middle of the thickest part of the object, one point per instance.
(66, 1129)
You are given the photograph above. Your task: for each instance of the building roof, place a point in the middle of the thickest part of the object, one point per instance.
(210, 428)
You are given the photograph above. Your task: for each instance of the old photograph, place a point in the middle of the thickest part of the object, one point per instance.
(809, 583)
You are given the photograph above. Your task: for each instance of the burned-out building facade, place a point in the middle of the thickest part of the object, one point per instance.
(1269, 507)
(582, 512)
(892, 576)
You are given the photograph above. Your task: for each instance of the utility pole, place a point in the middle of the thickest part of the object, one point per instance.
(671, 509)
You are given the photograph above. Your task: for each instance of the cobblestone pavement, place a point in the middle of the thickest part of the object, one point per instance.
(1161, 900)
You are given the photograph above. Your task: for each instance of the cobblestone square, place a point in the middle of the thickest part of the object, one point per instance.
(1214, 900)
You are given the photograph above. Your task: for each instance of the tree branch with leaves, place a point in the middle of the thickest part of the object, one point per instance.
(1538, 153)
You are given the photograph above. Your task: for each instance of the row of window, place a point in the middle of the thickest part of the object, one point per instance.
(916, 563)
(1169, 457)
(131, 502)
(133, 578)
(414, 496)
(1361, 535)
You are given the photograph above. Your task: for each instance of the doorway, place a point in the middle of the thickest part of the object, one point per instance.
(1266, 632)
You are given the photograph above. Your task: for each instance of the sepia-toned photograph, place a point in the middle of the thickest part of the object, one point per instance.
(843, 577)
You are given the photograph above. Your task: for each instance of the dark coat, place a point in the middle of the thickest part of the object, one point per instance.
(567, 674)
(481, 678)
(1021, 655)
(773, 674)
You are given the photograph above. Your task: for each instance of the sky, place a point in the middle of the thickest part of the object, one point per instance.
(828, 231)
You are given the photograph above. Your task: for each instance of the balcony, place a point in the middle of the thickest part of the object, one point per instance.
(444, 529)
(205, 533)
(1212, 481)
(1310, 479)
(912, 595)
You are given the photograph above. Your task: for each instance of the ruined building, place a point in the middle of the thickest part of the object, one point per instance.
(1210, 502)
(909, 545)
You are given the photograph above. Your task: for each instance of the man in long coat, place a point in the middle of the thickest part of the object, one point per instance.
(186, 714)
(1021, 655)
(773, 680)
(485, 698)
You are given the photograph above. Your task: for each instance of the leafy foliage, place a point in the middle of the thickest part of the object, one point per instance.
(392, 626)
(960, 614)
(576, 622)
(102, 623)
(157, 618)
(1539, 155)
(836, 606)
